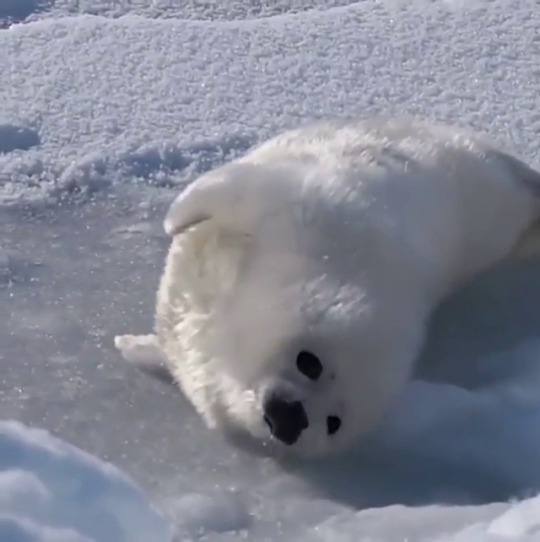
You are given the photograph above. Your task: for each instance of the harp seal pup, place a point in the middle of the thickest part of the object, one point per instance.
(301, 276)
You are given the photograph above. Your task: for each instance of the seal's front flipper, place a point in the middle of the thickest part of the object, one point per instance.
(143, 352)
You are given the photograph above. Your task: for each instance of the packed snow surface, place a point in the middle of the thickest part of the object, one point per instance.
(107, 109)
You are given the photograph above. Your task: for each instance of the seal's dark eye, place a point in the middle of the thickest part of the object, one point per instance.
(309, 365)
(333, 423)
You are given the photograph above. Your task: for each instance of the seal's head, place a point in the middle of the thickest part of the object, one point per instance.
(265, 317)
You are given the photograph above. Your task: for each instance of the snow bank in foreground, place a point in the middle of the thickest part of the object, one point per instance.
(51, 491)
(517, 522)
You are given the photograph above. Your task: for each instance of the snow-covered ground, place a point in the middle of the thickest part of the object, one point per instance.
(107, 108)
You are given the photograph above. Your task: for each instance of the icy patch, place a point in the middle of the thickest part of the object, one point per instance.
(16, 268)
(458, 448)
(52, 491)
(13, 137)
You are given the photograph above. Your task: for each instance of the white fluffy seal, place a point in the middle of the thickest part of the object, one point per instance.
(301, 277)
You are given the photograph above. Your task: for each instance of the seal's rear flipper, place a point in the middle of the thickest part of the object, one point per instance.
(143, 352)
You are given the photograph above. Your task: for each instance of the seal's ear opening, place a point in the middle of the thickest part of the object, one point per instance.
(229, 195)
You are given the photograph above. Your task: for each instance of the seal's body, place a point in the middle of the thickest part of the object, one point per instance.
(301, 277)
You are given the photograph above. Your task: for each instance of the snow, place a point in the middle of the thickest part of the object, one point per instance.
(108, 108)
(51, 491)
(162, 99)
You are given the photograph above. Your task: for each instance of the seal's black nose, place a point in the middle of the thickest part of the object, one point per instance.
(286, 419)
